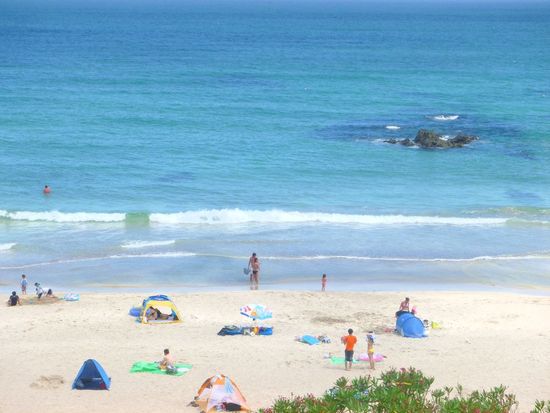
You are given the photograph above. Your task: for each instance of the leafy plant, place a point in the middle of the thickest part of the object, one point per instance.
(401, 391)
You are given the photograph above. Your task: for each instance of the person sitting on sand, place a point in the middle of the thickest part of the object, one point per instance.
(14, 299)
(403, 308)
(167, 363)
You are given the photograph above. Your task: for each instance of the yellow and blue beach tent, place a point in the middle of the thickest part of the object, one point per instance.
(164, 305)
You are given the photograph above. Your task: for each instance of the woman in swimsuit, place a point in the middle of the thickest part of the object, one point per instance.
(255, 274)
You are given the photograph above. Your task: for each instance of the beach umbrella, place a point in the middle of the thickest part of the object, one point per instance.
(256, 311)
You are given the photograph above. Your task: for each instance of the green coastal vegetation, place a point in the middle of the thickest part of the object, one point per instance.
(402, 391)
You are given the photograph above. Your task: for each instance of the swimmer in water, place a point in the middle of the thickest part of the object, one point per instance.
(47, 189)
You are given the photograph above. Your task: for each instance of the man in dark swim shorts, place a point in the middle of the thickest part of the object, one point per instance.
(349, 341)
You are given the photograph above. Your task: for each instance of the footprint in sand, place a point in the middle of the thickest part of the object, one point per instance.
(48, 382)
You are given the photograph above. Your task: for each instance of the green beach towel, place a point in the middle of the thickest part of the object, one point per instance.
(148, 367)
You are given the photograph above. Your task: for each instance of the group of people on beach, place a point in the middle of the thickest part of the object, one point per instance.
(253, 269)
(350, 341)
(14, 299)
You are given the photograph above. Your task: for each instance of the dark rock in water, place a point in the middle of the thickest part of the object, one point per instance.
(429, 139)
(407, 142)
(404, 142)
(461, 140)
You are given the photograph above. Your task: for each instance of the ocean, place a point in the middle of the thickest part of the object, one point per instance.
(177, 138)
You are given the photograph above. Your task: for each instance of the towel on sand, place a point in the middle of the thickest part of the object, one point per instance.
(148, 367)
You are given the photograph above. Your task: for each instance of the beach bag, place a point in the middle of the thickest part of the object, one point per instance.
(246, 271)
(265, 331)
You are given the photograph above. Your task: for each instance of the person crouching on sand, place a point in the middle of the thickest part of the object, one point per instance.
(349, 341)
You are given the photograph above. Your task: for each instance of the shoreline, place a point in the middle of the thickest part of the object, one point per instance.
(336, 287)
(487, 339)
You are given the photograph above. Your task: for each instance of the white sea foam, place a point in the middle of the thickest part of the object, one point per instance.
(7, 246)
(145, 244)
(238, 216)
(174, 254)
(56, 216)
(184, 254)
(445, 117)
(393, 127)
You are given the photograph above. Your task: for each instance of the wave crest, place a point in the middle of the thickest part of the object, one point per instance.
(445, 117)
(7, 246)
(238, 216)
(56, 216)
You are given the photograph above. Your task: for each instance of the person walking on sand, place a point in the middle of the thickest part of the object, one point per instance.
(255, 277)
(24, 283)
(349, 341)
(323, 282)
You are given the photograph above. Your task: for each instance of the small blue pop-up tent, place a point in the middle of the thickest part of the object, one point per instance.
(408, 325)
(91, 376)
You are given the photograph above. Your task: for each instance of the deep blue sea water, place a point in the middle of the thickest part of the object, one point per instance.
(178, 138)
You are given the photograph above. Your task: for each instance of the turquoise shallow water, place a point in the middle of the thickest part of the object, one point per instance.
(177, 139)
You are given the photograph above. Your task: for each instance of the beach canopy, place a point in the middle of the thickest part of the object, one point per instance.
(163, 304)
(408, 325)
(256, 311)
(91, 376)
(220, 391)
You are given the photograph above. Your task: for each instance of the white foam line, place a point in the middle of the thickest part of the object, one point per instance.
(63, 217)
(238, 216)
(145, 244)
(287, 258)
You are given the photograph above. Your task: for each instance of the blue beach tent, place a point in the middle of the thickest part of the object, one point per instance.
(408, 325)
(91, 377)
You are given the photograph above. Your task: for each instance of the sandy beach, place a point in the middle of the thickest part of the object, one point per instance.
(487, 339)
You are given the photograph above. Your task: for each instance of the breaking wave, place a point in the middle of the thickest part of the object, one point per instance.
(445, 117)
(56, 216)
(7, 246)
(238, 216)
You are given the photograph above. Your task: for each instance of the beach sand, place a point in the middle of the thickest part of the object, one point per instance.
(487, 339)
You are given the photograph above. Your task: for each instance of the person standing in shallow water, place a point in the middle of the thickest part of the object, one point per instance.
(250, 262)
(46, 190)
(323, 282)
(255, 277)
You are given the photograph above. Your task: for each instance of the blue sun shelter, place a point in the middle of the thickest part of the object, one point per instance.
(91, 376)
(408, 325)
